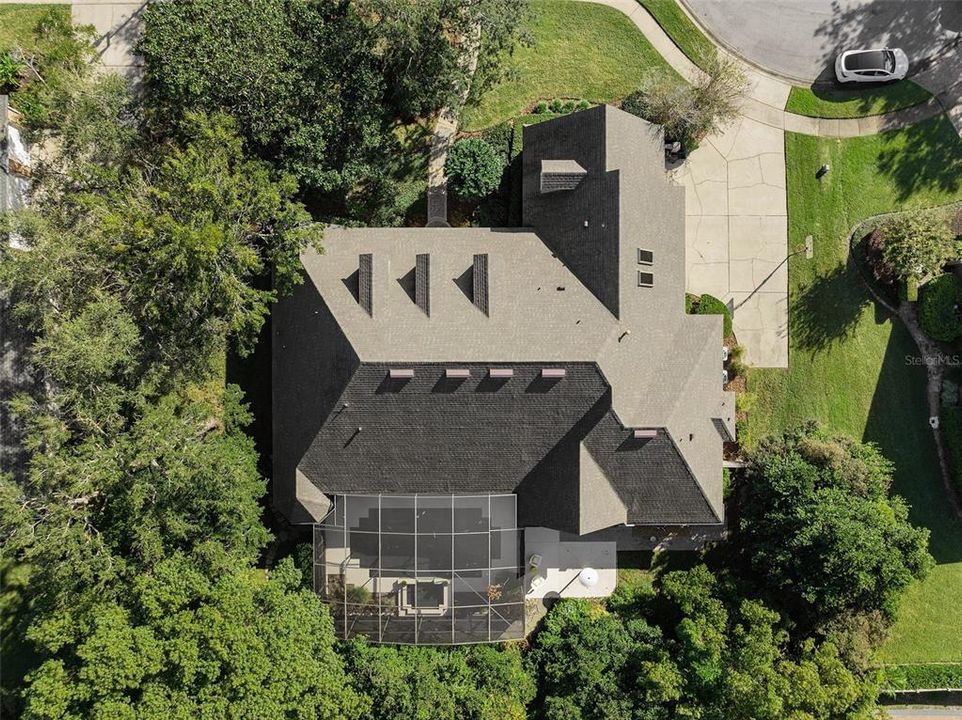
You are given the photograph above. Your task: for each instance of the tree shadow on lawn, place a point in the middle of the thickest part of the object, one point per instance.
(898, 424)
(926, 156)
(827, 310)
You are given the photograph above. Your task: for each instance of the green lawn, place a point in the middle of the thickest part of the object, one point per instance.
(17, 21)
(580, 50)
(851, 103)
(679, 27)
(848, 360)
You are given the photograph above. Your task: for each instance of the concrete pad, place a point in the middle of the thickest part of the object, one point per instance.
(707, 198)
(760, 322)
(828, 127)
(765, 114)
(756, 200)
(741, 276)
(563, 557)
(709, 164)
(745, 173)
(755, 138)
(868, 125)
(708, 239)
(773, 169)
(118, 26)
(736, 232)
(768, 89)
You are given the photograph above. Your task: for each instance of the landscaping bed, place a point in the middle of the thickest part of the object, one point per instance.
(852, 367)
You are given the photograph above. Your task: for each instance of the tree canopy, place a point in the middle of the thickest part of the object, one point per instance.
(819, 528)
(693, 649)
(480, 682)
(316, 87)
(186, 644)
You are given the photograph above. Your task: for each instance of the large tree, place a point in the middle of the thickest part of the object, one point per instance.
(319, 87)
(481, 682)
(694, 648)
(185, 643)
(180, 243)
(819, 527)
(300, 77)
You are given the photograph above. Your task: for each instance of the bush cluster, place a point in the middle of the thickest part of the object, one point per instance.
(473, 168)
(951, 423)
(939, 308)
(922, 677)
(560, 106)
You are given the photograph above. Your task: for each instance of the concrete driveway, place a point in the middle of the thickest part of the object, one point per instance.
(737, 233)
(800, 38)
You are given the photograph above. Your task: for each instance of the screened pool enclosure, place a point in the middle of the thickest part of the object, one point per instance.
(422, 569)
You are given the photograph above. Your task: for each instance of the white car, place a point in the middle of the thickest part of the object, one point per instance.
(871, 65)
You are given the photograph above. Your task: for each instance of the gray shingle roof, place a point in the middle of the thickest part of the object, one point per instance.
(562, 293)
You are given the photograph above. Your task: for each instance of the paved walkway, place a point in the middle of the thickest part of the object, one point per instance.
(736, 213)
(444, 135)
(118, 25)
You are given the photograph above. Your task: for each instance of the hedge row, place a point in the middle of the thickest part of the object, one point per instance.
(951, 422)
(922, 677)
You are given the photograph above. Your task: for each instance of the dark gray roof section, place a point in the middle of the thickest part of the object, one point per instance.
(567, 297)
(422, 282)
(580, 226)
(523, 434)
(365, 282)
(479, 276)
(559, 175)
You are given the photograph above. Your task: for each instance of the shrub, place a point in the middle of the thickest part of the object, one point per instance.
(736, 361)
(583, 105)
(473, 169)
(541, 108)
(691, 301)
(922, 677)
(917, 243)
(691, 112)
(10, 70)
(951, 424)
(499, 137)
(939, 308)
(555, 105)
(568, 106)
(710, 305)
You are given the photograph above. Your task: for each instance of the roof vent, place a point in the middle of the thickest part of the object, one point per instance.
(552, 373)
(401, 373)
(559, 175)
(457, 373)
(422, 283)
(365, 284)
(481, 300)
(644, 433)
(501, 372)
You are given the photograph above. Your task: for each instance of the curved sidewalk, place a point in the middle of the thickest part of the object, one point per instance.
(768, 93)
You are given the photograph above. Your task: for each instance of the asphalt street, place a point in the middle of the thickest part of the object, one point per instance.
(799, 39)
